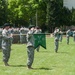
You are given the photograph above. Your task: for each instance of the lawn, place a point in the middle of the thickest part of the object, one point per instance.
(46, 61)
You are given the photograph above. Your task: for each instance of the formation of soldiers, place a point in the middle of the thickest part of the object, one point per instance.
(58, 34)
(19, 35)
(6, 37)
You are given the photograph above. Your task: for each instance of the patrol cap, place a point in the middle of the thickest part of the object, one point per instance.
(6, 24)
(31, 26)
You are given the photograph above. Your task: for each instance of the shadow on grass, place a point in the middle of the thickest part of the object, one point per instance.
(45, 51)
(17, 65)
(64, 52)
(42, 68)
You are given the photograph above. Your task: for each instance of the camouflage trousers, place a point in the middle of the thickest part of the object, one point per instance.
(6, 54)
(60, 39)
(30, 52)
(74, 38)
(56, 45)
(68, 40)
(0, 42)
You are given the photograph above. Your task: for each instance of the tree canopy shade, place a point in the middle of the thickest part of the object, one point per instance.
(3, 12)
(47, 14)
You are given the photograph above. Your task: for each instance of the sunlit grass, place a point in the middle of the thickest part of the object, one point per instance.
(46, 61)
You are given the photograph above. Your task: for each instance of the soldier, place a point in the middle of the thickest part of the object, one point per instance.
(74, 35)
(21, 35)
(23, 32)
(11, 33)
(0, 37)
(38, 31)
(56, 35)
(6, 43)
(16, 33)
(68, 35)
(30, 46)
(61, 34)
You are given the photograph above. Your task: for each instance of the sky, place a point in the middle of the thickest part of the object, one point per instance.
(69, 3)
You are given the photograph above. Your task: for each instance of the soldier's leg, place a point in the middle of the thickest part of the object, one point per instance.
(67, 40)
(25, 39)
(61, 38)
(5, 57)
(8, 52)
(38, 48)
(74, 38)
(30, 59)
(56, 45)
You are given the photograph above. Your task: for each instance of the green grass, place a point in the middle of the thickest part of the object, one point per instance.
(46, 62)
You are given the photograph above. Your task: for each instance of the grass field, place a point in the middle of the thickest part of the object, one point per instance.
(46, 62)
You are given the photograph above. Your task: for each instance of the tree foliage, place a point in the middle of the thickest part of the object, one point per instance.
(3, 12)
(48, 14)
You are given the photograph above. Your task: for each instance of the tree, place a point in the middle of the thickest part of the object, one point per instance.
(73, 16)
(18, 12)
(67, 17)
(3, 12)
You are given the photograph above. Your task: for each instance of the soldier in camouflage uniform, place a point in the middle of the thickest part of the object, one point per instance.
(16, 33)
(23, 33)
(74, 35)
(68, 35)
(6, 43)
(61, 35)
(0, 37)
(30, 46)
(56, 40)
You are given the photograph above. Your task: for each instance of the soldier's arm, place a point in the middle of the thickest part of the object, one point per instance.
(5, 36)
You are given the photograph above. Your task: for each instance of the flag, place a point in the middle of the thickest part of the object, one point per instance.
(39, 40)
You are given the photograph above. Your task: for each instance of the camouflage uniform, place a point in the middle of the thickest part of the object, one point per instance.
(16, 33)
(56, 40)
(11, 33)
(23, 33)
(0, 38)
(74, 36)
(30, 48)
(68, 35)
(6, 45)
(60, 38)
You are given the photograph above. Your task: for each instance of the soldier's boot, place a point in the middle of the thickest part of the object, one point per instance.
(29, 67)
(56, 50)
(6, 64)
(37, 50)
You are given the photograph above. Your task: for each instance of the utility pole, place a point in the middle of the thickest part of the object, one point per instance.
(36, 18)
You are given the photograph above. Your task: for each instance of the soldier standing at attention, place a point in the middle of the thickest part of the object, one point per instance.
(56, 40)
(30, 46)
(68, 35)
(6, 43)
